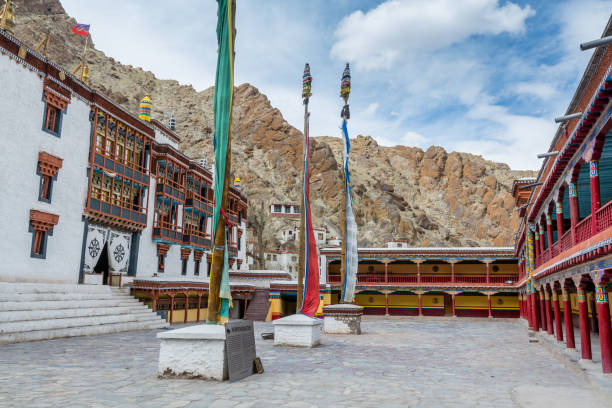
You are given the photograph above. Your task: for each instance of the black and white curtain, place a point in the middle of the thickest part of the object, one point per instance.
(94, 244)
(118, 248)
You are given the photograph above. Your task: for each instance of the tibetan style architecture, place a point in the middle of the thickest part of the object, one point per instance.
(564, 244)
(94, 194)
(476, 282)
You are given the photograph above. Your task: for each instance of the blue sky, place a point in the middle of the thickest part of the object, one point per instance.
(479, 76)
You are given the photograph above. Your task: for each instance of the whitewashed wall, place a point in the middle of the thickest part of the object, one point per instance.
(21, 120)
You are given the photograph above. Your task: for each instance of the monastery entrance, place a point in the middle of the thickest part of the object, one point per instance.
(102, 266)
(448, 305)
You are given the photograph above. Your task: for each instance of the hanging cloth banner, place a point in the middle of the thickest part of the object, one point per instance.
(119, 251)
(222, 108)
(225, 293)
(311, 296)
(350, 244)
(94, 244)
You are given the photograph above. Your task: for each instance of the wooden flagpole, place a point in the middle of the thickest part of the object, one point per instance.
(214, 284)
(344, 114)
(306, 88)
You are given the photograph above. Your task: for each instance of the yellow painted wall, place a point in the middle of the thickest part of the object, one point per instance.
(432, 301)
(178, 316)
(404, 301)
(276, 307)
(471, 302)
(507, 302)
(370, 299)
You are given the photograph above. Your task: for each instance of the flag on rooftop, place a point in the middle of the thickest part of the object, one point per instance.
(81, 29)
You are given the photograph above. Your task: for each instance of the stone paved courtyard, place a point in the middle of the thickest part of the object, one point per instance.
(395, 363)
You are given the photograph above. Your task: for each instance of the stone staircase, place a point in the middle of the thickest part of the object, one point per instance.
(257, 310)
(46, 311)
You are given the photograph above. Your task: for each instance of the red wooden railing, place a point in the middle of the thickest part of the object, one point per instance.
(397, 279)
(604, 217)
(584, 230)
(566, 241)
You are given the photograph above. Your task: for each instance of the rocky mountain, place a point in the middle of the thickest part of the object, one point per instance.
(428, 197)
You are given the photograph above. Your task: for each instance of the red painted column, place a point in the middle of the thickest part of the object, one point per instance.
(549, 232)
(542, 239)
(605, 333)
(200, 304)
(489, 302)
(536, 245)
(529, 310)
(585, 334)
(420, 306)
(557, 311)
(567, 315)
(386, 303)
(549, 325)
(559, 214)
(542, 311)
(574, 209)
(452, 272)
(488, 277)
(418, 273)
(171, 307)
(595, 195)
(534, 312)
(453, 299)
(386, 273)
(520, 299)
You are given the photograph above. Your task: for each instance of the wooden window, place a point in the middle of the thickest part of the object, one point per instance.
(160, 263)
(278, 208)
(41, 226)
(52, 119)
(47, 168)
(45, 188)
(196, 268)
(184, 267)
(37, 246)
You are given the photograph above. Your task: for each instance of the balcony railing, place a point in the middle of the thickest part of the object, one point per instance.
(167, 232)
(584, 230)
(405, 279)
(604, 217)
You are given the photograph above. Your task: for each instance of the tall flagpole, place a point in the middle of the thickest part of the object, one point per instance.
(223, 103)
(306, 94)
(348, 226)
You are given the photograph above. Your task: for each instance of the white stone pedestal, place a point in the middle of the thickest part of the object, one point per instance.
(342, 318)
(193, 352)
(297, 330)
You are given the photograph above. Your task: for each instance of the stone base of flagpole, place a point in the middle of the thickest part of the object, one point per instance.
(342, 318)
(297, 330)
(193, 352)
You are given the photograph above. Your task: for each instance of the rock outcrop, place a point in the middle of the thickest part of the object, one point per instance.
(429, 197)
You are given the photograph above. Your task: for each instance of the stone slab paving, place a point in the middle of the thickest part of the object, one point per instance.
(395, 363)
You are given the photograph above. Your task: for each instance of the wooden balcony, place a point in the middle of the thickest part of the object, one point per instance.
(429, 280)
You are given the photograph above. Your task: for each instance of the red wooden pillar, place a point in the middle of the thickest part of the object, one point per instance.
(574, 209)
(585, 334)
(549, 232)
(199, 305)
(542, 311)
(559, 215)
(595, 195)
(452, 272)
(386, 303)
(520, 298)
(418, 272)
(453, 300)
(567, 314)
(557, 311)
(386, 272)
(488, 277)
(536, 244)
(549, 325)
(154, 303)
(489, 303)
(534, 311)
(171, 307)
(528, 310)
(186, 307)
(420, 306)
(542, 239)
(605, 334)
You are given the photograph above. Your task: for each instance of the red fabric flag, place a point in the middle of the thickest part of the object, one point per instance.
(81, 29)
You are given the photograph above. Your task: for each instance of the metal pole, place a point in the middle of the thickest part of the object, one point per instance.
(596, 43)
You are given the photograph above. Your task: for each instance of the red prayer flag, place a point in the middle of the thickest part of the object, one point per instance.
(81, 29)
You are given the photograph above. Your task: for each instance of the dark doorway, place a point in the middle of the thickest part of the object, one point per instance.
(102, 265)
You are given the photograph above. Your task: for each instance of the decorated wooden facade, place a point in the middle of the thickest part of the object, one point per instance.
(564, 243)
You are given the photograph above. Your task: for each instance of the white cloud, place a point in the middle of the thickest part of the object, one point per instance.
(372, 108)
(400, 28)
(538, 89)
(414, 139)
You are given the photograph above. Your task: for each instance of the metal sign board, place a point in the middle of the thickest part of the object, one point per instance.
(240, 348)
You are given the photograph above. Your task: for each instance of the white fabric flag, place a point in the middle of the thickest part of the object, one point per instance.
(119, 251)
(94, 244)
(350, 244)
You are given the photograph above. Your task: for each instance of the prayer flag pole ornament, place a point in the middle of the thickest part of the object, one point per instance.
(219, 288)
(348, 257)
(308, 273)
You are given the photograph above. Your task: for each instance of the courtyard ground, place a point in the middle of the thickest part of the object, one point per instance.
(397, 362)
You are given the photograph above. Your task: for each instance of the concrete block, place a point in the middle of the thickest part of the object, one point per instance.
(193, 352)
(297, 330)
(342, 319)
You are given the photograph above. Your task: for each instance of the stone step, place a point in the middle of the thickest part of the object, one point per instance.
(53, 288)
(48, 296)
(65, 304)
(80, 331)
(64, 323)
(24, 315)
